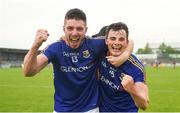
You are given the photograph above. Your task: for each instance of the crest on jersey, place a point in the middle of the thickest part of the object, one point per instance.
(86, 54)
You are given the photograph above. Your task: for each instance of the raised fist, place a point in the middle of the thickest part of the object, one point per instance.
(41, 36)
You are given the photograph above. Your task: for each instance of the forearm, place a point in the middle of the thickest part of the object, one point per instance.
(30, 62)
(33, 62)
(126, 54)
(140, 97)
(128, 51)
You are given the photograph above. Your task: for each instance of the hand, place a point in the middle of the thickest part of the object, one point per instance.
(127, 83)
(41, 36)
(113, 60)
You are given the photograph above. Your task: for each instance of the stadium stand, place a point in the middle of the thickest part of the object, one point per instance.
(11, 57)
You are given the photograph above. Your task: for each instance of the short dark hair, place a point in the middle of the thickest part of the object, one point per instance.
(102, 32)
(116, 27)
(75, 14)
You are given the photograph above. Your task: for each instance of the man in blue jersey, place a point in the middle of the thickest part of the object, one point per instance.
(123, 88)
(74, 64)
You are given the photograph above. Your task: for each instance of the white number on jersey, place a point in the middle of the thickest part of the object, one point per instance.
(74, 59)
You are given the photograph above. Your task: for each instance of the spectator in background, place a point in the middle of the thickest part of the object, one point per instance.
(174, 63)
(157, 63)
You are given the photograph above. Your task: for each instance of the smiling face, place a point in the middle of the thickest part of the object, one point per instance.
(116, 41)
(75, 31)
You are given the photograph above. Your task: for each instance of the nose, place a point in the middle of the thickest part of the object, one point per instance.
(116, 41)
(74, 32)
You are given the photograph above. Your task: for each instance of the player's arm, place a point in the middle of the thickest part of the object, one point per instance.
(138, 91)
(33, 62)
(117, 61)
(140, 95)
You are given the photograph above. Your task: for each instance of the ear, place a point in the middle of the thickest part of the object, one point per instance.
(86, 29)
(63, 28)
(106, 41)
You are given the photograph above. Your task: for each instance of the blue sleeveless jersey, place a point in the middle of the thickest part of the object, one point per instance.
(75, 81)
(113, 98)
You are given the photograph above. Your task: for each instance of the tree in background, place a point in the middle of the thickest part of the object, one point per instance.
(162, 49)
(145, 50)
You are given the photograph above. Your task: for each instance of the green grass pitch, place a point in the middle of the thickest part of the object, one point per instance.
(35, 94)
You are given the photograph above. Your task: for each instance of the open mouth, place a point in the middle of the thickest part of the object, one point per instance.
(74, 41)
(116, 48)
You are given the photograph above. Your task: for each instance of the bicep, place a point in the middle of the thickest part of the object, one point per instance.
(42, 61)
(141, 87)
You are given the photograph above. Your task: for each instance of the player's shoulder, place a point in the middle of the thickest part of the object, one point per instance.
(57, 43)
(54, 45)
(97, 45)
(94, 39)
(136, 63)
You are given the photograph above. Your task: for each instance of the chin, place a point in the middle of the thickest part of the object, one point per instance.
(116, 54)
(74, 46)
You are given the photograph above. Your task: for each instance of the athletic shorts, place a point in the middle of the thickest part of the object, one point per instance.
(95, 110)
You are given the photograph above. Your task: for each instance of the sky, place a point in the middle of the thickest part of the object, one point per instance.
(148, 20)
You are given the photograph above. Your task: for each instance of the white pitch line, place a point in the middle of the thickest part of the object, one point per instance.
(21, 86)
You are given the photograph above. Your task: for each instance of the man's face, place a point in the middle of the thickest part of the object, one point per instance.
(116, 42)
(75, 31)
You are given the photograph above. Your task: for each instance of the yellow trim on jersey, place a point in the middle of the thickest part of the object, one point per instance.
(137, 64)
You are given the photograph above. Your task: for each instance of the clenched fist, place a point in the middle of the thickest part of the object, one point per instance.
(127, 83)
(41, 36)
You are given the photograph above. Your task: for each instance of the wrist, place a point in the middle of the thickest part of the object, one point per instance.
(133, 90)
(35, 46)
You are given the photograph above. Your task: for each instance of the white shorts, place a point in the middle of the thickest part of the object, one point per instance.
(95, 110)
